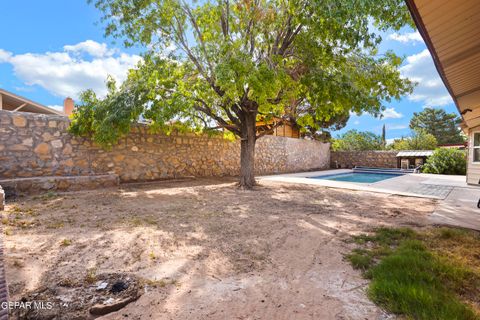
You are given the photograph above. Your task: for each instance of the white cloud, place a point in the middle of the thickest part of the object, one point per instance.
(410, 37)
(356, 122)
(91, 47)
(390, 113)
(4, 56)
(430, 89)
(396, 126)
(56, 107)
(390, 141)
(67, 73)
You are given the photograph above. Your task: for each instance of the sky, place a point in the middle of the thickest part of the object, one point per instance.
(52, 49)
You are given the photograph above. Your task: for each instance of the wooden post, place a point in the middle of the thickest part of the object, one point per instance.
(1, 102)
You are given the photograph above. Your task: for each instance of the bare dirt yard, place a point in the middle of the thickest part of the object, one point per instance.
(199, 249)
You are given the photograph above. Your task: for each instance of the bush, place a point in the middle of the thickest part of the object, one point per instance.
(446, 161)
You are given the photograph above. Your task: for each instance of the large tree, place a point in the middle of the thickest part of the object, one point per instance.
(445, 127)
(418, 140)
(234, 62)
(354, 140)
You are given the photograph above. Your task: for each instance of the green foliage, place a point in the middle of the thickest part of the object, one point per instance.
(445, 127)
(308, 61)
(446, 161)
(419, 140)
(408, 278)
(354, 140)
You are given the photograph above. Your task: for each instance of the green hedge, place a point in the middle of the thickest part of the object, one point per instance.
(446, 161)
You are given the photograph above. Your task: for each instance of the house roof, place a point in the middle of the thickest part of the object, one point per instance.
(415, 153)
(450, 29)
(13, 102)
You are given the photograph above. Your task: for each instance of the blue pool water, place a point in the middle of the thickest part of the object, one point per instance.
(358, 177)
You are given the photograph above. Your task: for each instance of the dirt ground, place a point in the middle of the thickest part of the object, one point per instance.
(201, 249)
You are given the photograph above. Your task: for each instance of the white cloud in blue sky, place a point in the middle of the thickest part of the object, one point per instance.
(390, 113)
(92, 48)
(430, 90)
(78, 67)
(409, 37)
(396, 126)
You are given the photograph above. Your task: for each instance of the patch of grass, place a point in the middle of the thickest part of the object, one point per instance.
(18, 264)
(55, 225)
(91, 276)
(360, 259)
(65, 242)
(159, 283)
(411, 274)
(49, 195)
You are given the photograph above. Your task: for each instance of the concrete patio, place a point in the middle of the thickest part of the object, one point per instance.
(457, 204)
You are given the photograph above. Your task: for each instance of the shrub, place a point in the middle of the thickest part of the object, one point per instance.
(446, 161)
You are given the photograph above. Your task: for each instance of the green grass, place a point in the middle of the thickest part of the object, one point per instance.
(410, 277)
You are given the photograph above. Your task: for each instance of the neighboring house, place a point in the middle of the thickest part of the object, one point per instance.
(451, 31)
(12, 102)
(286, 129)
(458, 146)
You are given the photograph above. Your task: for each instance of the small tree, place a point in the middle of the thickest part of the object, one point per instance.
(354, 140)
(445, 127)
(419, 140)
(384, 136)
(237, 62)
(446, 161)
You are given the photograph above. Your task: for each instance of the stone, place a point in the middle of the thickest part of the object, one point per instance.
(19, 121)
(18, 147)
(134, 148)
(46, 136)
(69, 163)
(42, 149)
(67, 150)
(52, 124)
(57, 144)
(28, 142)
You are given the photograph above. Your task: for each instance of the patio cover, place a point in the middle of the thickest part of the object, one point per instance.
(451, 30)
(12, 102)
(415, 153)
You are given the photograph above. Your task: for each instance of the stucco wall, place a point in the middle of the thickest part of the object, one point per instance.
(473, 168)
(39, 145)
(350, 159)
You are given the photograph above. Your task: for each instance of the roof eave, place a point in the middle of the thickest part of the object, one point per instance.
(412, 7)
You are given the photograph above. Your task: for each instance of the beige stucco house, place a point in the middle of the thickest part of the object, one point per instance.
(451, 30)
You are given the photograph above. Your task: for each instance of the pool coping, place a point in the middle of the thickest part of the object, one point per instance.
(305, 178)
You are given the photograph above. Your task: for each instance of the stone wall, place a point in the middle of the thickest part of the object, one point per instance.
(2, 199)
(350, 159)
(33, 145)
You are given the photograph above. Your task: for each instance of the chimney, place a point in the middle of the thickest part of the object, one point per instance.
(68, 106)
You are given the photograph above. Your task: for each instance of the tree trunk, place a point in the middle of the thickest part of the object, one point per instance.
(247, 151)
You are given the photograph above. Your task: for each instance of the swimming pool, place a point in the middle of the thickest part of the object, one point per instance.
(360, 177)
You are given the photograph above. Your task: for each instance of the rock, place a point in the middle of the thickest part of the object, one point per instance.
(52, 124)
(135, 148)
(42, 149)
(57, 144)
(102, 309)
(68, 149)
(19, 121)
(28, 142)
(101, 285)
